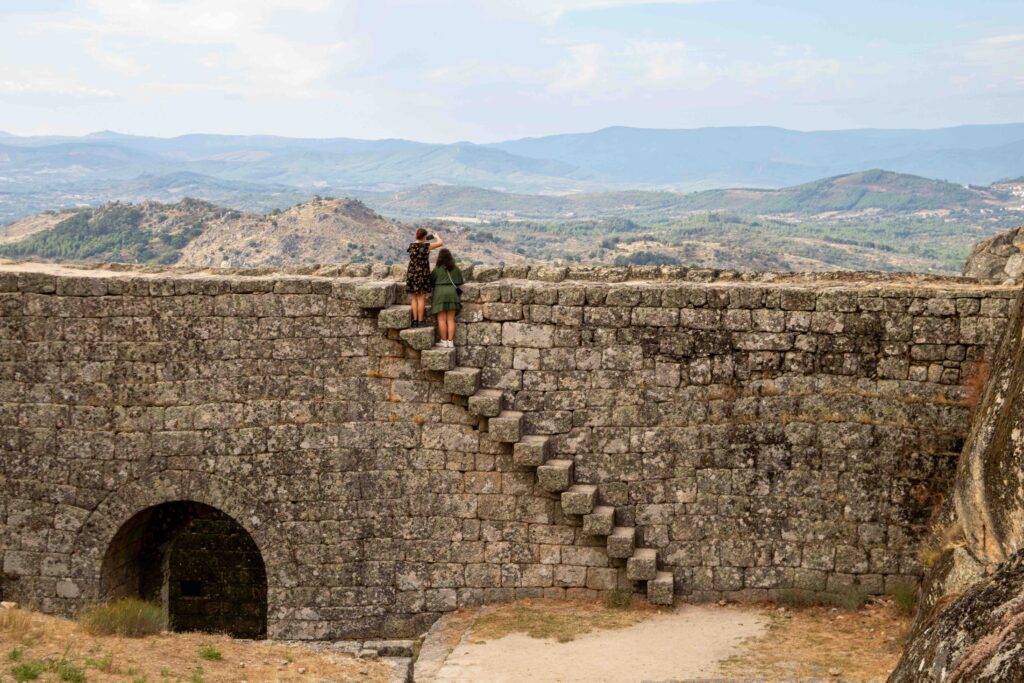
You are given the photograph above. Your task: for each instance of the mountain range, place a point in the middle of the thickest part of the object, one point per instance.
(617, 158)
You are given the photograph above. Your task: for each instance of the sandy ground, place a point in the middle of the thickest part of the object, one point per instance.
(686, 643)
(563, 641)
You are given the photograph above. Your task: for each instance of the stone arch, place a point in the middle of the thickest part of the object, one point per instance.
(197, 495)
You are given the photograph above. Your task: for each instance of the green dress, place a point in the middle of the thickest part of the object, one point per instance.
(445, 297)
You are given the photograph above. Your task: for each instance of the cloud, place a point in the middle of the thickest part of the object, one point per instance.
(582, 70)
(550, 11)
(36, 82)
(236, 36)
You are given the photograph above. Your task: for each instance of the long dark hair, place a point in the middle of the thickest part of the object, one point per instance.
(445, 260)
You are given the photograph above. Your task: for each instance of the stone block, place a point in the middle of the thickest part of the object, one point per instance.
(419, 338)
(555, 475)
(438, 360)
(528, 335)
(643, 565)
(579, 499)
(531, 451)
(660, 590)
(394, 318)
(600, 522)
(602, 578)
(487, 402)
(462, 381)
(506, 427)
(622, 542)
(375, 294)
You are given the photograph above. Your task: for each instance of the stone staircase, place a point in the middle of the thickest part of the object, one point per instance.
(505, 425)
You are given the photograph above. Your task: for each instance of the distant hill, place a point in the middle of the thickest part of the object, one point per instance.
(192, 232)
(864, 191)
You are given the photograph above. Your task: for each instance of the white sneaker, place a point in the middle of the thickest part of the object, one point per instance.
(450, 344)
(440, 345)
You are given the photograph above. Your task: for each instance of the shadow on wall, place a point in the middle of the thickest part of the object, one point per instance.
(195, 561)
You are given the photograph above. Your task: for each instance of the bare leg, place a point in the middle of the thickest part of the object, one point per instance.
(450, 318)
(442, 325)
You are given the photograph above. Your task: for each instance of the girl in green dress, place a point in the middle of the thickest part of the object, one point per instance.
(446, 278)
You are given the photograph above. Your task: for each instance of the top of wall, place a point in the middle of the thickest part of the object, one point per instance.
(540, 274)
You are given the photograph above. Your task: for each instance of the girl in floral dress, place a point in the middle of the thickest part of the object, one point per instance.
(417, 277)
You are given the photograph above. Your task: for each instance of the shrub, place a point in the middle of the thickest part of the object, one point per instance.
(209, 652)
(28, 671)
(904, 596)
(69, 671)
(128, 617)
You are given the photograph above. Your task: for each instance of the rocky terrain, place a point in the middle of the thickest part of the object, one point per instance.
(999, 258)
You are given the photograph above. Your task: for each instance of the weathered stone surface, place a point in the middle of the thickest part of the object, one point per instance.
(643, 565)
(977, 637)
(394, 318)
(506, 427)
(487, 402)
(462, 381)
(660, 589)
(786, 431)
(579, 500)
(531, 451)
(419, 338)
(555, 475)
(600, 522)
(999, 258)
(622, 542)
(438, 360)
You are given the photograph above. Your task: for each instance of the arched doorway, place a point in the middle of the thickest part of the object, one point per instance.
(194, 560)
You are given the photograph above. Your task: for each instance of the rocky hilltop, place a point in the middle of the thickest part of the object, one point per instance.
(197, 233)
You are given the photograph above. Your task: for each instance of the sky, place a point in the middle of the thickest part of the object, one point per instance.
(490, 70)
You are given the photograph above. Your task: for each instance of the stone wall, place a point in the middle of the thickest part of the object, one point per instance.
(763, 434)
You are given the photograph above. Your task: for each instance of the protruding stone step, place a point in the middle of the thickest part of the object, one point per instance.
(600, 522)
(622, 542)
(438, 360)
(394, 318)
(462, 381)
(555, 475)
(660, 590)
(506, 427)
(376, 294)
(579, 500)
(531, 451)
(487, 403)
(419, 338)
(643, 566)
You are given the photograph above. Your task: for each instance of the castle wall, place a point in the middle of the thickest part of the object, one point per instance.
(777, 433)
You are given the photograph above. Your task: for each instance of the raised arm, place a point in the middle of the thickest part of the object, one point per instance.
(437, 243)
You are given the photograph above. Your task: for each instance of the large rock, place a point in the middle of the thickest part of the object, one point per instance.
(999, 258)
(979, 637)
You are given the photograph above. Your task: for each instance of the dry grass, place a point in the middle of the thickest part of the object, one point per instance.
(128, 617)
(62, 650)
(562, 620)
(864, 645)
(975, 383)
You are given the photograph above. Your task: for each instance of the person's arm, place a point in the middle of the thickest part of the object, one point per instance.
(457, 277)
(437, 243)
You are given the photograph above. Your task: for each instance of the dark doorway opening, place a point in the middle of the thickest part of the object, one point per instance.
(194, 560)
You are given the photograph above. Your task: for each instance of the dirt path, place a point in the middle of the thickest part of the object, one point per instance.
(686, 643)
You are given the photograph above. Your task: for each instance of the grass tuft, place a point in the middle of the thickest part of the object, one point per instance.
(15, 654)
(210, 653)
(128, 618)
(69, 671)
(618, 599)
(28, 671)
(904, 596)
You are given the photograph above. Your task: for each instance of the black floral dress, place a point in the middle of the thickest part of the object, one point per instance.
(417, 276)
